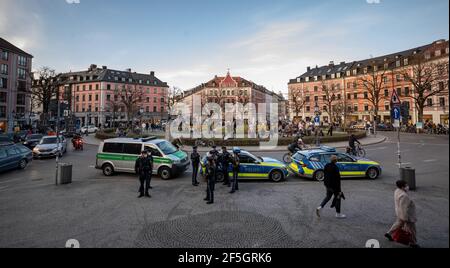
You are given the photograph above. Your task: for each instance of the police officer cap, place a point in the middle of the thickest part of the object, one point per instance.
(195, 147)
(144, 152)
(236, 150)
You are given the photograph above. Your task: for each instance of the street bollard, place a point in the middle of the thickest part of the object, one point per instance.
(64, 173)
(408, 175)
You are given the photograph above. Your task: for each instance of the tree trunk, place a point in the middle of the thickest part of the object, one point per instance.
(420, 108)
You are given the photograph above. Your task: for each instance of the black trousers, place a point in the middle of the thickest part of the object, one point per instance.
(195, 168)
(210, 188)
(336, 201)
(226, 175)
(235, 181)
(145, 179)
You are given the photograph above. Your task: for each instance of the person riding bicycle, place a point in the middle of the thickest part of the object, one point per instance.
(296, 146)
(352, 143)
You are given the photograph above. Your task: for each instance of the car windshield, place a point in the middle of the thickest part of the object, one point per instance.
(34, 137)
(48, 141)
(167, 147)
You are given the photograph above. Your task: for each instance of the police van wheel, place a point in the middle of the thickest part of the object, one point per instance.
(165, 173)
(108, 170)
(276, 176)
(372, 173)
(319, 175)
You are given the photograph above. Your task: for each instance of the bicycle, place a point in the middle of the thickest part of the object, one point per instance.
(204, 143)
(358, 152)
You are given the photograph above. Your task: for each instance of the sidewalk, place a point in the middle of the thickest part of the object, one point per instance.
(370, 140)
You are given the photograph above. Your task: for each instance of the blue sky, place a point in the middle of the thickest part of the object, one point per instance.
(187, 42)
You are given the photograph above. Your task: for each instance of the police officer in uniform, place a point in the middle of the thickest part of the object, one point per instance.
(210, 174)
(144, 167)
(236, 165)
(225, 162)
(195, 159)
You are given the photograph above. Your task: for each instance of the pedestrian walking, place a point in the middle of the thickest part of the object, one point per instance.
(332, 181)
(210, 175)
(404, 228)
(144, 168)
(330, 130)
(236, 166)
(195, 159)
(224, 159)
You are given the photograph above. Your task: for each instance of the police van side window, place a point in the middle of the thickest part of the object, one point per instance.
(130, 148)
(154, 151)
(116, 148)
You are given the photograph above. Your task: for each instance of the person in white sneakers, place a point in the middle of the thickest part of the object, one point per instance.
(332, 182)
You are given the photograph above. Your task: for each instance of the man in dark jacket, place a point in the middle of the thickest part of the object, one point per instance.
(224, 159)
(195, 159)
(144, 167)
(210, 174)
(332, 181)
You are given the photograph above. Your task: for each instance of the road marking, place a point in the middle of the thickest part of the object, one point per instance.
(430, 160)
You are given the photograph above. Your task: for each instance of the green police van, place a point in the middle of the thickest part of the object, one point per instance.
(120, 154)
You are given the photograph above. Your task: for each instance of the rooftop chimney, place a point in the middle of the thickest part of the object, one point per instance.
(308, 68)
(152, 73)
(342, 62)
(128, 70)
(331, 63)
(92, 67)
(104, 67)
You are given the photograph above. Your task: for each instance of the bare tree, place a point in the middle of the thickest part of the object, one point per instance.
(330, 93)
(130, 96)
(428, 79)
(373, 81)
(45, 88)
(114, 106)
(296, 101)
(174, 94)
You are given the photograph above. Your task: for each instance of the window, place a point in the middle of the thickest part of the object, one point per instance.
(108, 87)
(397, 64)
(386, 93)
(11, 151)
(22, 61)
(442, 101)
(96, 97)
(307, 99)
(3, 96)
(4, 69)
(155, 109)
(4, 55)
(90, 87)
(316, 98)
(156, 91)
(324, 98)
(108, 97)
(355, 108)
(366, 107)
(355, 96)
(245, 159)
(407, 91)
(349, 96)
(437, 53)
(441, 86)
(308, 109)
(134, 149)
(155, 152)
(20, 99)
(83, 97)
(84, 87)
(385, 79)
(398, 78)
(430, 102)
(349, 85)
(90, 97)
(355, 84)
(342, 158)
(339, 96)
(366, 95)
(21, 73)
(316, 88)
(427, 55)
(116, 148)
(3, 83)
(399, 91)
(405, 61)
(96, 87)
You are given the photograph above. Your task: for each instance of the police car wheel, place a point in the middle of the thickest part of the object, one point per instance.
(372, 173)
(165, 173)
(287, 158)
(319, 175)
(276, 176)
(23, 164)
(108, 170)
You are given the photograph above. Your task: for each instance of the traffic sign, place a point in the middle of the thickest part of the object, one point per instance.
(395, 100)
(396, 113)
(317, 120)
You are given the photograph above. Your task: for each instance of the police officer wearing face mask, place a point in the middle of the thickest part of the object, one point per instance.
(210, 174)
(225, 163)
(195, 159)
(144, 167)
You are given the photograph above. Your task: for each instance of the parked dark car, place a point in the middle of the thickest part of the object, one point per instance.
(385, 127)
(22, 135)
(6, 138)
(14, 156)
(32, 140)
